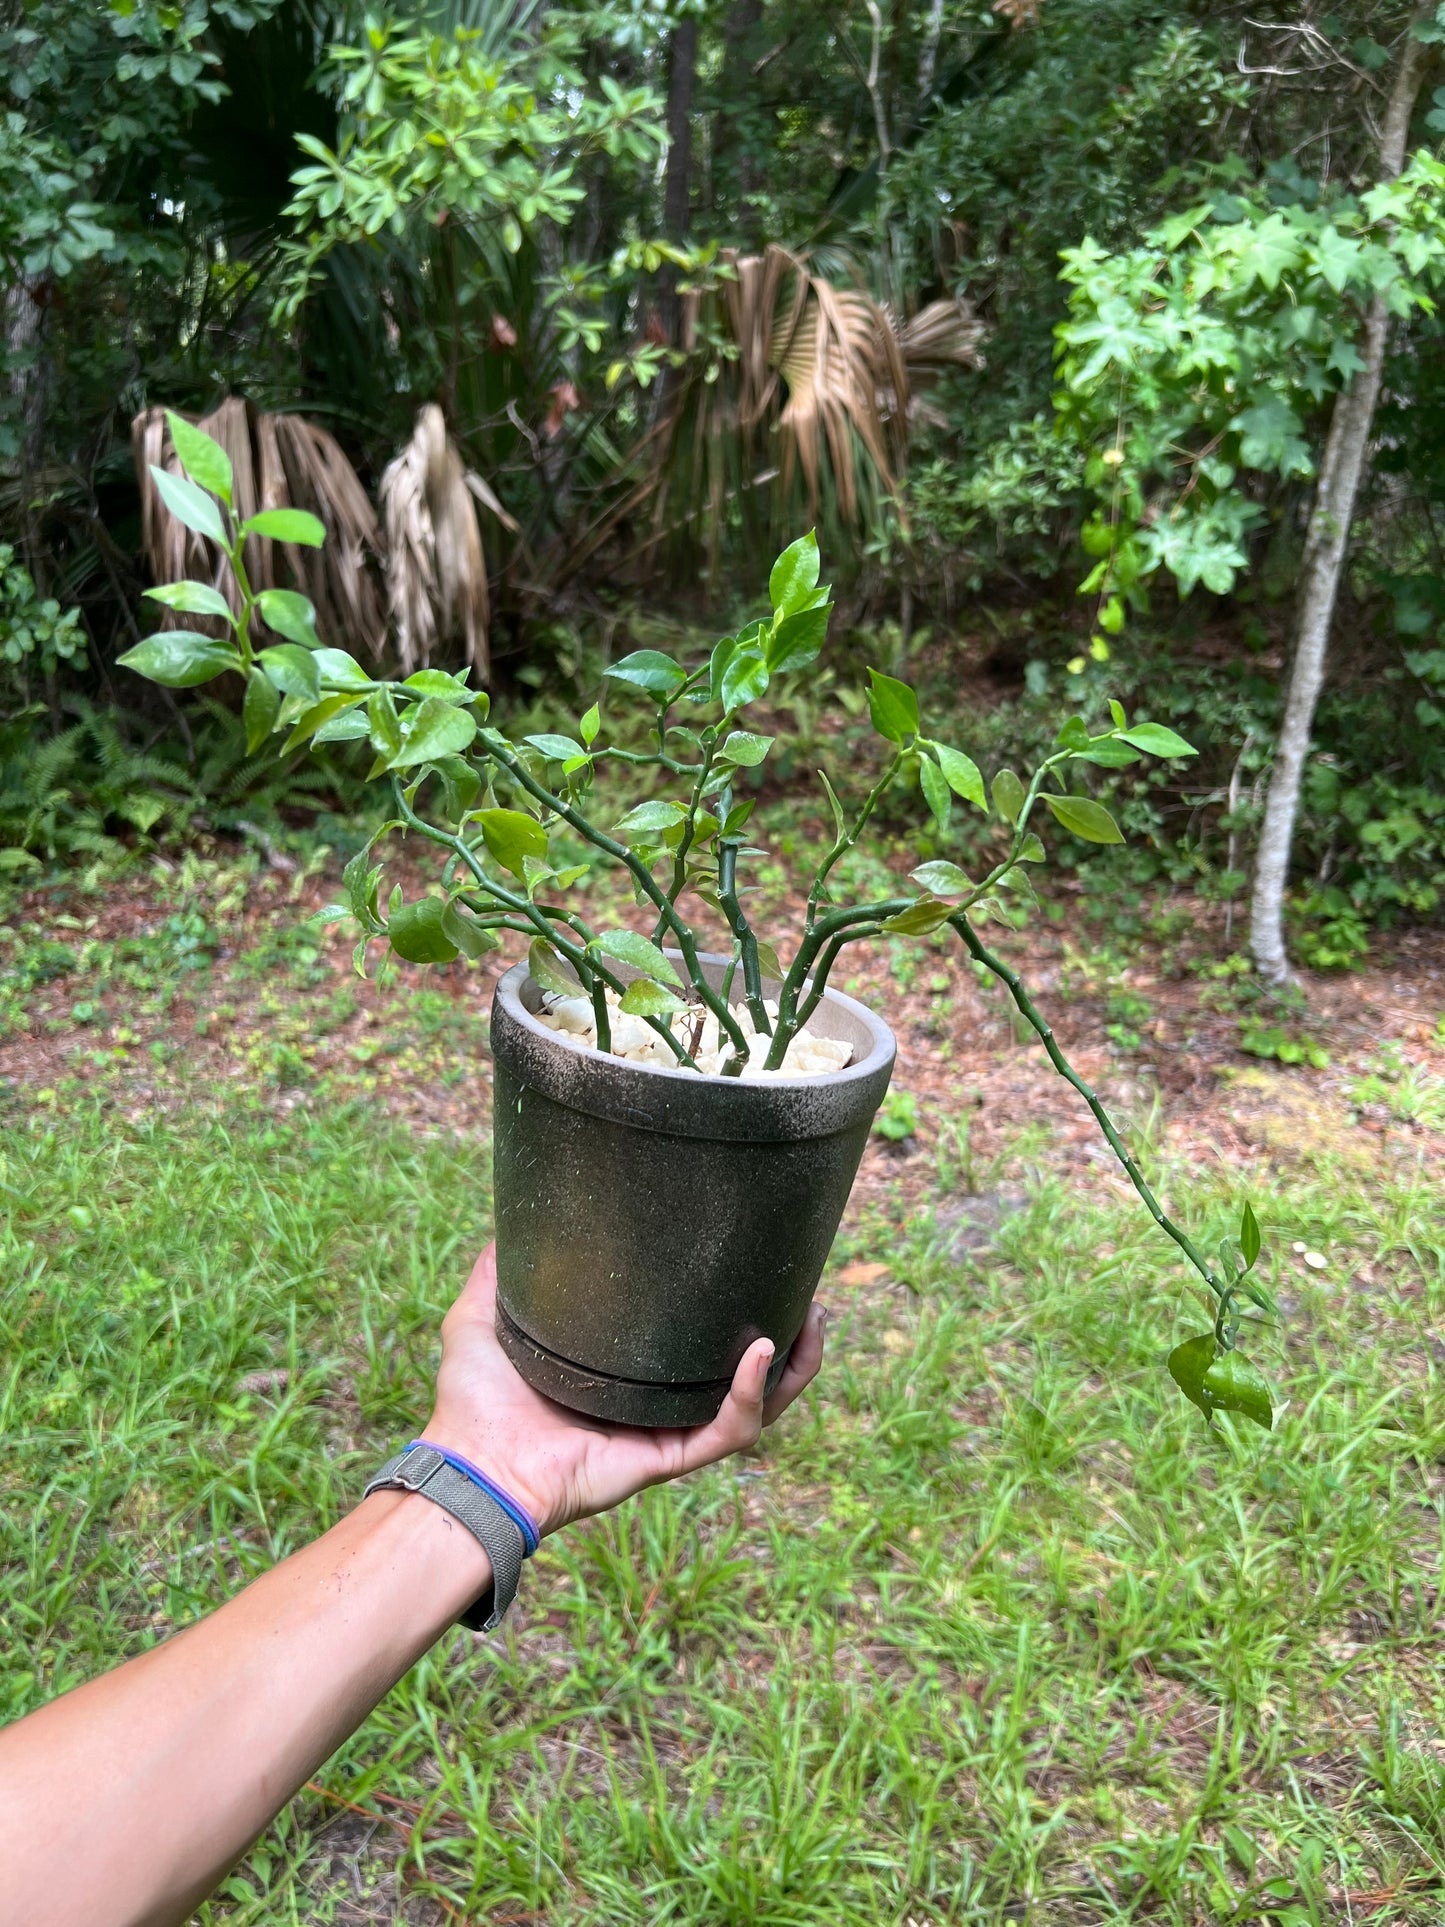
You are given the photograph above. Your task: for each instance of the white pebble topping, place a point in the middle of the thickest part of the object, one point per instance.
(808, 1055)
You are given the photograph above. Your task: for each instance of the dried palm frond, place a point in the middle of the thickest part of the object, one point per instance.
(277, 461)
(436, 572)
(822, 384)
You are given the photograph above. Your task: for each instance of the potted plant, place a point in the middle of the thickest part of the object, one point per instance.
(676, 1130)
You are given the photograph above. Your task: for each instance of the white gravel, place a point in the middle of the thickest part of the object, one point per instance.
(807, 1056)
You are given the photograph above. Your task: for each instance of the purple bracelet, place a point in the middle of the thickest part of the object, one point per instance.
(514, 1509)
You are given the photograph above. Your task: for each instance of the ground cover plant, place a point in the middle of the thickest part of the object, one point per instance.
(494, 805)
(984, 1634)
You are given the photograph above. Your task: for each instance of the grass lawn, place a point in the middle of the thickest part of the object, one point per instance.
(992, 1628)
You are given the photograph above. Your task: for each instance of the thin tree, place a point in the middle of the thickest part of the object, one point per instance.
(1326, 544)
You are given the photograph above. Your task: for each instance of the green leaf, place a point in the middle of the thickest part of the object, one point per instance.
(738, 815)
(794, 575)
(589, 725)
(471, 938)
(942, 879)
(550, 973)
(1031, 850)
(289, 614)
(417, 934)
(1155, 740)
(461, 785)
(189, 505)
(1188, 1364)
(203, 459)
(337, 670)
(1074, 734)
(349, 726)
(649, 820)
(1008, 795)
(1269, 252)
(438, 728)
(1234, 1385)
(745, 749)
(796, 640)
(293, 670)
(936, 793)
(556, 749)
(919, 918)
(1085, 818)
(649, 669)
(1116, 710)
(179, 658)
(382, 720)
(643, 998)
(1108, 753)
(363, 884)
(436, 682)
(630, 948)
(328, 710)
(770, 963)
(511, 836)
(259, 710)
(893, 707)
(744, 679)
(961, 774)
(287, 525)
(840, 822)
(1249, 1235)
(192, 599)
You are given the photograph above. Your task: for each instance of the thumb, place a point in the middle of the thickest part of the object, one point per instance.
(477, 1300)
(739, 1423)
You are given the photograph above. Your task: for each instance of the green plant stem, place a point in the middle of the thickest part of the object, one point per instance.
(645, 881)
(850, 837)
(234, 556)
(727, 896)
(1010, 978)
(689, 831)
(600, 1016)
(648, 759)
(789, 1022)
(824, 969)
(589, 971)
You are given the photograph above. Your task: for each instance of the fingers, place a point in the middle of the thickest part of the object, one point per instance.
(802, 1366)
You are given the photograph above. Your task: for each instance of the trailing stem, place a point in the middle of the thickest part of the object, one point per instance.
(1061, 1064)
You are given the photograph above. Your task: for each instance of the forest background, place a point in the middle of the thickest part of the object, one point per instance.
(1012, 300)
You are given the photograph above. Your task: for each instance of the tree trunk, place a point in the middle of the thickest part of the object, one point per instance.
(731, 154)
(1326, 542)
(677, 182)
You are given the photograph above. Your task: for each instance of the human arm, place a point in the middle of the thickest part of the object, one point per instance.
(123, 1803)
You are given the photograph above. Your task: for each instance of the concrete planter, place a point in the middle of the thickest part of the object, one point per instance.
(652, 1223)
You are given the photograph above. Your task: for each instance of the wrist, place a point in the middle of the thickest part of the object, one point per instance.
(446, 1567)
(462, 1442)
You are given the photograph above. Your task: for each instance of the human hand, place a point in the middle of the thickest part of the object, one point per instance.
(561, 1464)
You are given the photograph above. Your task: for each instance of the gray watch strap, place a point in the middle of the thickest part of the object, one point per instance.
(420, 1469)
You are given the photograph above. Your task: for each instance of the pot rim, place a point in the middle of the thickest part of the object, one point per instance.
(880, 1056)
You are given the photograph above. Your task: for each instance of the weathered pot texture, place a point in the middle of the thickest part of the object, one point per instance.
(651, 1223)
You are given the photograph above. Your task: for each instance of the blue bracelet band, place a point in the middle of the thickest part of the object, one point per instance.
(513, 1508)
